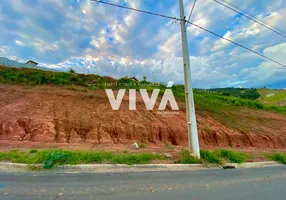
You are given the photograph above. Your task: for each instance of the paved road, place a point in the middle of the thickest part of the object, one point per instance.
(240, 184)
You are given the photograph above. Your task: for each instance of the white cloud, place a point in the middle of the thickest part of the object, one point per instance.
(20, 43)
(117, 42)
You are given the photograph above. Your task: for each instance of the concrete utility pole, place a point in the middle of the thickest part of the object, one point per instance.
(190, 106)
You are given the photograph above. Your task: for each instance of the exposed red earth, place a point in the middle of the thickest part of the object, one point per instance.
(49, 116)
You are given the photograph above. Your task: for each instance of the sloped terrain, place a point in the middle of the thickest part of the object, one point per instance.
(277, 97)
(59, 115)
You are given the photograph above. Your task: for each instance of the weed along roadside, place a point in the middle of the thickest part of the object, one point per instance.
(47, 159)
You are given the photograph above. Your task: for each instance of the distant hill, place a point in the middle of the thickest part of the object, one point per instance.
(12, 63)
(277, 97)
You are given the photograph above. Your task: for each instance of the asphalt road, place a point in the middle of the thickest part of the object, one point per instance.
(240, 184)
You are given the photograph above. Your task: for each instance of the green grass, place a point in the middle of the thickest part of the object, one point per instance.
(206, 157)
(187, 159)
(55, 157)
(278, 157)
(217, 103)
(142, 146)
(276, 96)
(233, 156)
(132, 159)
(211, 157)
(217, 157)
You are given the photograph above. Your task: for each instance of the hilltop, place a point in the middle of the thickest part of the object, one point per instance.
(39, 108)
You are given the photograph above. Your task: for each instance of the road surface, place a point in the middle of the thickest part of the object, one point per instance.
(240, 184)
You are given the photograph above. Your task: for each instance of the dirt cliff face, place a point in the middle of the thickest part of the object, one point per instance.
(58, 115)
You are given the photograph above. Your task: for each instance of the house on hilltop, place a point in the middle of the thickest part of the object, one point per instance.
(31, 62)
(130, 78)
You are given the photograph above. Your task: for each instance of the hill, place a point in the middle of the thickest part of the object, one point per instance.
(15, 64)
(41, 108)
(277, 97)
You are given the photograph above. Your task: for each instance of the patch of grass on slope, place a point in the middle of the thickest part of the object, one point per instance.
(273, 96)
(220, 104)
(211, 102)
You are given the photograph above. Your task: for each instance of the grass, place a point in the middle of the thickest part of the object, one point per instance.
(187, 159)
(211, 157)
(142, 146)
(206, 157)
(217, 103)
(273, 96)
(278, 157)
(233, 156)
(55, 157)
(217, 157)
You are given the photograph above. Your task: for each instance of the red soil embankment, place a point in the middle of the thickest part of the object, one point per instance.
(56, 115)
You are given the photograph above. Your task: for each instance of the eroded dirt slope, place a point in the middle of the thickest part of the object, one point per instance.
(57, 115)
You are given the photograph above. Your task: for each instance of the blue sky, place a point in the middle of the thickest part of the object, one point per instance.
(110, 41)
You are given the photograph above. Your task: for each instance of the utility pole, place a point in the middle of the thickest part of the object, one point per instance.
(190, 106)
(153, 77)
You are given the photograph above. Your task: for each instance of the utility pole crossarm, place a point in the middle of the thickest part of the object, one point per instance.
(190, 106)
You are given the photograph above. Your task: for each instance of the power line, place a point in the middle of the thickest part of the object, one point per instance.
(251, 18)
(252, 15)
(240, 45)
(198, 26)
(134, 9)
(194, 4)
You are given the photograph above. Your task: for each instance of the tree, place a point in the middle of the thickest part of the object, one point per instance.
(72, 71)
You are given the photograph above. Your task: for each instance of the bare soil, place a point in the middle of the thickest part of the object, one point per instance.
(53, 117)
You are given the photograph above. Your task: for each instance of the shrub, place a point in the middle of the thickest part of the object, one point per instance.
(72, 71)
(142, 146)
(54, 157)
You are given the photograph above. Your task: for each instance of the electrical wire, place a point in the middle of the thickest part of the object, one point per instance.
(134, 9)
(198, 26)
(252, 15)
(240, 45)
(251, 18)
(194, 4)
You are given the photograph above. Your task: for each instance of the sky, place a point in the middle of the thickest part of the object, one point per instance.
(111, 41)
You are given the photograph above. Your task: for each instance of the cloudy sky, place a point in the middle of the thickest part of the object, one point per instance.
(111, 41)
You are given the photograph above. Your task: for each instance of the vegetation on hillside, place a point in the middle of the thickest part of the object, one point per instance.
(277, 97)
(218, 103)
(244, 93)
(215, 102)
